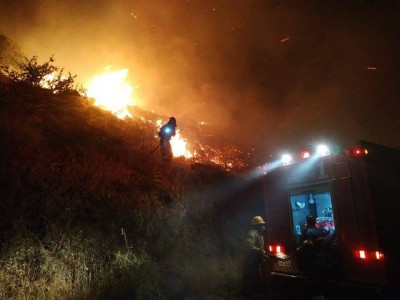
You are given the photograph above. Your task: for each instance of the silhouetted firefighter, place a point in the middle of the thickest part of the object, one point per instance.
(166, 132)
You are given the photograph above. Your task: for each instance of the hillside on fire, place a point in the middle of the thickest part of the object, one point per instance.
(89, 212)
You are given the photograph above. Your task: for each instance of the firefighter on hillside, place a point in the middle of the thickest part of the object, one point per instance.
(254, 273)
(166, 132)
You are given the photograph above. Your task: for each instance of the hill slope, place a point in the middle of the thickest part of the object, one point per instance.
(87, 213)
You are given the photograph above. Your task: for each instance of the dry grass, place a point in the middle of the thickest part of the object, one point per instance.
(32, 270)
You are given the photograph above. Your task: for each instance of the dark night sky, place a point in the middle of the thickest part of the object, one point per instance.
(274, 74)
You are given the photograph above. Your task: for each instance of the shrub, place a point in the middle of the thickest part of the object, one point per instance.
(46, 75)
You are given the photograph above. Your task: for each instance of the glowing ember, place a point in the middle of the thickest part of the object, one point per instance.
(112, 93)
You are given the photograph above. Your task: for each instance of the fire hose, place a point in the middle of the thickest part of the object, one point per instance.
(148, 155)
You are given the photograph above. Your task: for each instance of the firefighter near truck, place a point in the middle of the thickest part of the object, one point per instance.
(356, 194)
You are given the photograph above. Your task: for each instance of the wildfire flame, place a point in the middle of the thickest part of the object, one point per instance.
(45, 82)
(48, 81)
(178, 145)
(112, 93)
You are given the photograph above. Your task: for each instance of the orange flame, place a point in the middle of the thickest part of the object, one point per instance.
(179, 146)
(112, 93)
(47, 79)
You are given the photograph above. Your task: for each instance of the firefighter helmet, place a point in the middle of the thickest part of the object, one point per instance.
(257, 220)
(172, 120)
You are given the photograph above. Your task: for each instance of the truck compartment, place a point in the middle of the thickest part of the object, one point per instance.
(317, 202)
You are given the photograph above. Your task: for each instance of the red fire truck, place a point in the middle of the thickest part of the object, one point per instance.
(356, 193)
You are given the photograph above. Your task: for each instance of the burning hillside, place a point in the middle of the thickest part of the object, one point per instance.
(110, 91)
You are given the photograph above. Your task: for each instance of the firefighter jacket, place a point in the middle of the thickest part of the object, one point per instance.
(254, 247)
(167, 131)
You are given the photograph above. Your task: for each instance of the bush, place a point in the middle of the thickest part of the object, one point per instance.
(46, 76)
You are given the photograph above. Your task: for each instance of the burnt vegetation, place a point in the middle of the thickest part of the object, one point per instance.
(86, 213)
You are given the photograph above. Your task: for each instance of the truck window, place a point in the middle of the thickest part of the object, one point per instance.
(317, 203)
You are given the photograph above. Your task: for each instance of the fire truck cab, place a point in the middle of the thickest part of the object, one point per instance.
(356, 193)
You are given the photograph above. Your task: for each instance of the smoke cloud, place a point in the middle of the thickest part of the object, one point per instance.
(271, 74)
